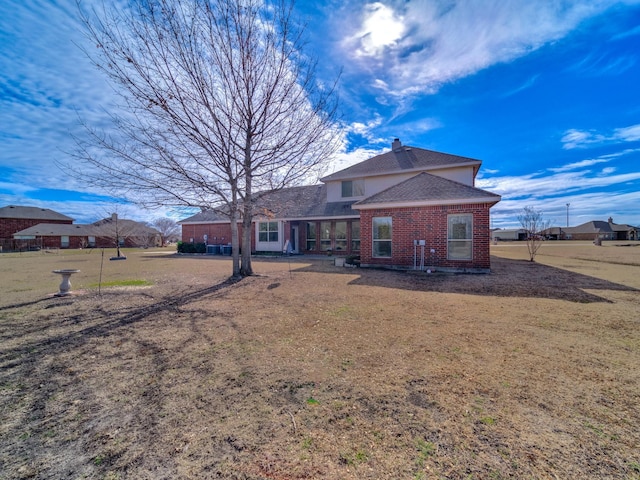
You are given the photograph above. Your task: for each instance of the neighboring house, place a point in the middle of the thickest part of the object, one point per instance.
(14, 218)
(509, 234)
(405, 207)
(602, 230)
(105, 233)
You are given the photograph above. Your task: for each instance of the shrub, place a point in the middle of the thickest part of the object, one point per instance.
(352, 260)
(184, 247)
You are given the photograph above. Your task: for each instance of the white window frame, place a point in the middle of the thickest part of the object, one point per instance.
(454, 241)
(356, 188)
(378, 241)
(269, 245)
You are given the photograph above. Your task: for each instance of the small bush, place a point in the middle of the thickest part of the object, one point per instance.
(352, 260)
(184, 247)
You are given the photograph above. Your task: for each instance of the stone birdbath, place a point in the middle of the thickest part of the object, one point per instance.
(65, 285)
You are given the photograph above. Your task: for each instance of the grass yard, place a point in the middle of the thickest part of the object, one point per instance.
(310, 371)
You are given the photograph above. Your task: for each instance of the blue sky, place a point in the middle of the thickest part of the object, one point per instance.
(545, 93)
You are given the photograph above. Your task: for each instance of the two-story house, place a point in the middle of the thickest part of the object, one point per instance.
(392, 209)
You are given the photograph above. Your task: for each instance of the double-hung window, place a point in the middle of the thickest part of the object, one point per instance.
(382, 230)
(460, 236)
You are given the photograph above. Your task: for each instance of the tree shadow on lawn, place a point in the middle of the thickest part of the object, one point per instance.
(36, 372)
(508, 278)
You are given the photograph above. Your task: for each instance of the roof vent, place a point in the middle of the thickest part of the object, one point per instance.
(396, 145)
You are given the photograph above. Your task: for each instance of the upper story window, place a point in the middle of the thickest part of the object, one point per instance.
(353, 188)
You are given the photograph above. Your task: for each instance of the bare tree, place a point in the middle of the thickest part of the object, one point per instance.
(122, 231)
(167, 227)
(534, 226)
(220, 104)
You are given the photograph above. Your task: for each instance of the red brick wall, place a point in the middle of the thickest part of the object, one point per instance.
(9, 226)
(217, 234)
(430, 224)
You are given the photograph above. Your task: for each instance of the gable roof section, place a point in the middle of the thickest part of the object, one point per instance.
(127, 227)
(403, 159)
(599, 226)
(425, 189)
(57, 230)
(32, 213)
(302, 203)
(295, 203)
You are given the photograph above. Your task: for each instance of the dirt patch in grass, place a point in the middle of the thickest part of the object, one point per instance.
(314, 371)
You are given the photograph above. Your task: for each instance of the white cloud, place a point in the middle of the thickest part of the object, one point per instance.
(537, 185)
(581, 164)
(627, 134)
(346, 159)
(528, 84)
(439, 42)
(381, 28)
(583, 207)
(574, 138)
(365, 129)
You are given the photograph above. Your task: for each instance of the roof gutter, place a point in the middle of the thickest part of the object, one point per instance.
(427, 203)
(335, 176)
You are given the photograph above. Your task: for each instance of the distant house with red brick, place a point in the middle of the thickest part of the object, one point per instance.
(408, 207)
(14, 218)
(53, 230)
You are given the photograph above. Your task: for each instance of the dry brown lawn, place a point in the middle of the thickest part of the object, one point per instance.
(313, 371)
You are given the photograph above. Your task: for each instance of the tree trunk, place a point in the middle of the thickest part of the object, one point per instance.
(246, 269)
(235, 254)
(247, 208)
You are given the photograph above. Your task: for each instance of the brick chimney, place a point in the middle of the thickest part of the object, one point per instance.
(396, 145)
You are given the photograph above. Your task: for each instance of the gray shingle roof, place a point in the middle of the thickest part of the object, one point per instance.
(35, 213)
(97, 229)
(291, 203)
(428, 188)
(311, 201)
(598, 226)
(304, 202)
(58, 229)
(402, 159)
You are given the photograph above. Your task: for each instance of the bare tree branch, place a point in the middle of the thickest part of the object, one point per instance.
(534, 225)
(219, 106)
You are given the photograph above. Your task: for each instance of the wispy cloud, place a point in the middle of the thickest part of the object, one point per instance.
(628, 33)
(604, 64)
(578, 165)
(540, 185)
(417, 46)
(48, 84)
(526, 85)
(627, 134)
(347, 158)
(583, 207)
(574, 138)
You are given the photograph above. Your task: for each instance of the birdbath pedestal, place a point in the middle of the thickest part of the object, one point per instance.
(65, 285)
